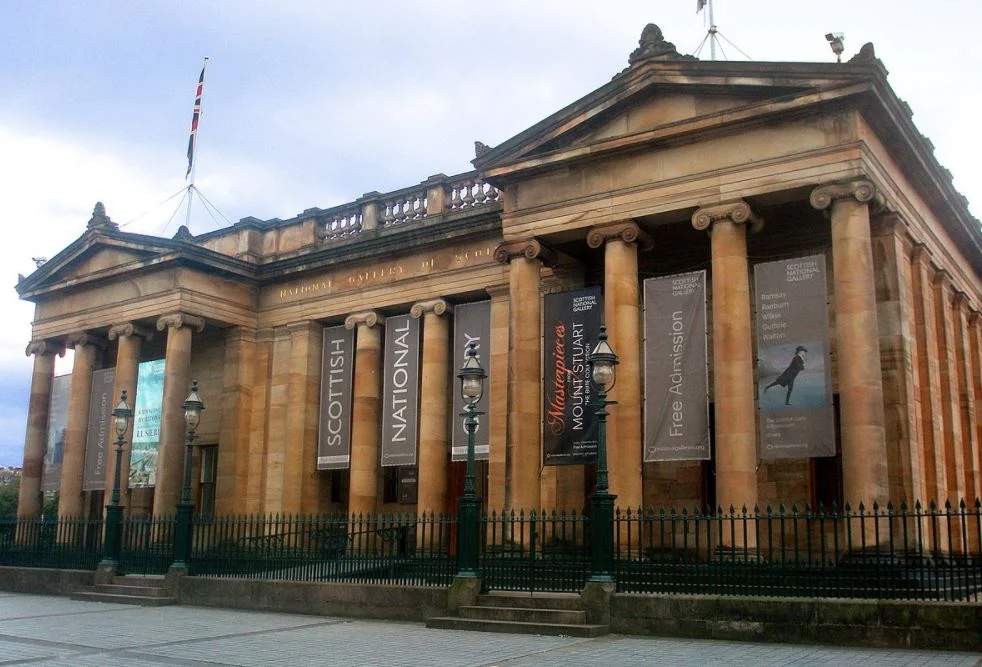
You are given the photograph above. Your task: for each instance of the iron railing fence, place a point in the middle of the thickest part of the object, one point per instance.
(891, 552)
(66, 542)
(535, 551)
(146, 544)
(405, 549)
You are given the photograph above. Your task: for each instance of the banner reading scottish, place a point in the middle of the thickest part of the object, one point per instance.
(472, 324)
(337, 380)
(97, 437)
(794, 382)
(676, 401)
(57, 424)
(146, 423)
(400, 395)
(569, 423)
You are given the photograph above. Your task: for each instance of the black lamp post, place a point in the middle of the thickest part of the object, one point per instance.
(603, 371)
(114, 511)
(182, 543)
(472, 378)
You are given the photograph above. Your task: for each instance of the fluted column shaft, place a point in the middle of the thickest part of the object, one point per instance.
(177, 381)
(363, 489)
(73, 458)
(303, 405)
(864, 456)
(969, 443)
(434, 406)
(29, 496)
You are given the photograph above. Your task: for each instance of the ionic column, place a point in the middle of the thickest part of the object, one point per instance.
(864, 460)
(524, 448)
(73, 459)
(952, 452)
(365, 411)
(35, 440)
(434, 402)
(968, 443)
(975, 342)
(177, 382)
(733, 362)
(497, 385)
(130, 337)
(303, 407)
(622, 315)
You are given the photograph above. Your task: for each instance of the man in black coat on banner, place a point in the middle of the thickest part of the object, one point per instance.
(786, 379)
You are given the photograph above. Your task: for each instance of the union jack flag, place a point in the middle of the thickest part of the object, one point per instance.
(194, 118)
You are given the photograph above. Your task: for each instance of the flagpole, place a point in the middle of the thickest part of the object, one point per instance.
(192, 150)
(712, 36)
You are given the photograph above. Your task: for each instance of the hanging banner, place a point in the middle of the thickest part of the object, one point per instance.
(676, 400)
(472, 323)
(146, 423)
(569, 425)
(337, 381)
(97, 438)
(400, 394)
(794, 383)
(57, 423)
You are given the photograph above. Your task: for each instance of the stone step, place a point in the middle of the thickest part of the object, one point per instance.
(141, 580)
(525, 615)
(140, 600)
(568, 601)
(516, 627)
(134, 590)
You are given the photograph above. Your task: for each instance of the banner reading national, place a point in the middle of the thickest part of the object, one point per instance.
(676, 401)
(569, 422)
(794, 381)
(400, 394)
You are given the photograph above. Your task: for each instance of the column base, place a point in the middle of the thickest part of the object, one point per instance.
(463, 593)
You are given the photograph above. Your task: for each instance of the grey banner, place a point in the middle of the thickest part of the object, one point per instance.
(569, 425)
(98, 438)
(794, 383)
(400, 395)
(337, 381)
(472, 323)
(57, 423)
(676, 402)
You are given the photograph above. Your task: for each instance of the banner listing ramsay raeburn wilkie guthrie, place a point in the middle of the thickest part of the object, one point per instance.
(569, 422)
(676, 402)
(337, 380)
(97, 438)
(472, 324)
(794, 383)
(400, 395)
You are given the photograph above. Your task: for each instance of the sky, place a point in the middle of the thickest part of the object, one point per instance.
(315, 103)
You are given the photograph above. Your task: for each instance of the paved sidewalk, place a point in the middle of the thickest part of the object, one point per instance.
(49, 631)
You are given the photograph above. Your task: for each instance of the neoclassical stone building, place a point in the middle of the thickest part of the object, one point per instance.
(676, 165)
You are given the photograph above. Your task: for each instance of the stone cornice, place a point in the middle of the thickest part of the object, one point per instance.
(628, 232)
(45, 347)
(737, 211)
(421, 308)
(862, 190)
(129, 329)
(82, 339)
(178, 320)
(527, 248)
(369, 318)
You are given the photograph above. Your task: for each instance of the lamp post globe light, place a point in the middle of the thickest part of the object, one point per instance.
(603, 372)
(193, 405)
(114, 511)
(472, 377)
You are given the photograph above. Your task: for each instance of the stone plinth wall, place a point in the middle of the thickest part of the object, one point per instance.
(43, 581)
(928, 625)
(402, 603)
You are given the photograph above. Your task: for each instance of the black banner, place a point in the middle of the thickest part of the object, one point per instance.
(97, 439)
(400, 396)
(337, 381)
(472, 323)
(569, 423)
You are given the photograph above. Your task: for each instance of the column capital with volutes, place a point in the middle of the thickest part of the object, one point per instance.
(129, 329)
(178, 320)
(421, 308)
(527, 248)
(369, 318)
(628, 232)
(860, 189)
(39, 347)
(737, 211)
(83, 338)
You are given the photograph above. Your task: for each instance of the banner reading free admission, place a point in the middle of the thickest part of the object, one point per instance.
(472, 323)
(794, 391)
(400, 395)
(569, 421)
(337, 381)
(57, 424)
(146, 423)
(676, 402)
(97, 436)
